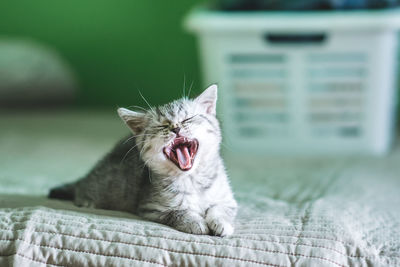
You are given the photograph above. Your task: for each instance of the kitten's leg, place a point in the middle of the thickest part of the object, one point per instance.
(84, 203)
(82, 198)
(220, 218)
(185, 221)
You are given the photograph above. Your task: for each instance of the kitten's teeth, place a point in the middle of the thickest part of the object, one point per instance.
(181, 151)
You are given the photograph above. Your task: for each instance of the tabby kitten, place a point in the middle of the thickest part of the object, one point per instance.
(169, 171)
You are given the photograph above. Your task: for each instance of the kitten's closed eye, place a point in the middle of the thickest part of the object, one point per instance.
(188, 119)
(166, 126)
(162, 127)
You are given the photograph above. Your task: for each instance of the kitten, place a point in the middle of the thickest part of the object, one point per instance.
(170, 171)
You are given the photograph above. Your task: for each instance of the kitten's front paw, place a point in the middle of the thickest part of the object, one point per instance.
(220, 227)
(188, 222)
(197, 227)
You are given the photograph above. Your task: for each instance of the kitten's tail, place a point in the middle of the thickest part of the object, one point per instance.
(65, 192)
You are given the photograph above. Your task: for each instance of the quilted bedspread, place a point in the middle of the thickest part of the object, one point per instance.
(293, 212)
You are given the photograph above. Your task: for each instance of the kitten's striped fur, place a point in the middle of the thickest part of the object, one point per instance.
(136, 176)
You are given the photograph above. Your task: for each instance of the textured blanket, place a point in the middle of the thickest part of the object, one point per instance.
(293, 212)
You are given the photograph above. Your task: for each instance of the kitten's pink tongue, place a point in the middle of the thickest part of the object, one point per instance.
(183, 157)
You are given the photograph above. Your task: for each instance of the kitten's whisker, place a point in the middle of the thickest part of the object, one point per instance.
(130, 138)
(133, 136)
(150, 134)
(147, 161)
(141, 151)
(146, 101)
(134, 106)
(190, 89)
(184, 85)
(131, 150)
(122, 161)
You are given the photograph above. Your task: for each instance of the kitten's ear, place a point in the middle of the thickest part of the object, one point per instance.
(208, 99)
(135, 120)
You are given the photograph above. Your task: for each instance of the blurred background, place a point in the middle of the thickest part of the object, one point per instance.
(66, 66)
(112, 49)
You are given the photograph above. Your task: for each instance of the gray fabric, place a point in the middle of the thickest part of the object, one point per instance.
(302, 212)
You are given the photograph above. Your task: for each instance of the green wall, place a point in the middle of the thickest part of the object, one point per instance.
(116, 47)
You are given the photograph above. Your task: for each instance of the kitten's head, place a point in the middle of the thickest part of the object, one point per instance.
(177, 137)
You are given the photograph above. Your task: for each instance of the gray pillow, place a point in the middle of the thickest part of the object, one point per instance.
(33, 74)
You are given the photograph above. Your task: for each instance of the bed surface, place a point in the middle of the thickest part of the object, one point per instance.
(301, 212)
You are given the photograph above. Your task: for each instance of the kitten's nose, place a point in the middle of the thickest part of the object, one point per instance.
(176, 130)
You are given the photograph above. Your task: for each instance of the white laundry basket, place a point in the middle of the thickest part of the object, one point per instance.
(302, 83)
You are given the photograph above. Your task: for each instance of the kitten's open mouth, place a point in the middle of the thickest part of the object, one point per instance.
(182, 152)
